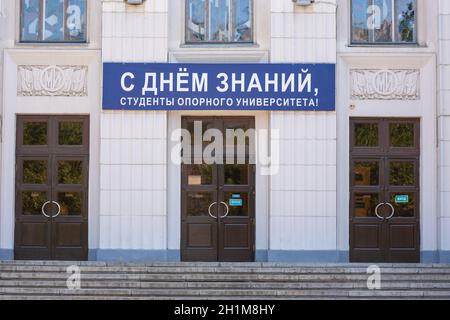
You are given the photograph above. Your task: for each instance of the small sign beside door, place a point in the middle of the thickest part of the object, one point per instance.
(235, 200)
(401, 199)
(194, 180)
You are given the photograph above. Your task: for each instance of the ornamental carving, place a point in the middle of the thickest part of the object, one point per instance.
(384, 84)
(68, 81)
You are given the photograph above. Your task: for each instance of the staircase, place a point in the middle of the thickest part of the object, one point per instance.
(100, 280)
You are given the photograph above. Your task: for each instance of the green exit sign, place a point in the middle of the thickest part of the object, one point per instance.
(402, 199)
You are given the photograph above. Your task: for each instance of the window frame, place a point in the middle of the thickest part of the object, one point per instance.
(46, 42)
(394, 25)
(231, 19)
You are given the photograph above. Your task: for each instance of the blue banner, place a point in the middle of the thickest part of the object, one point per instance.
(287, 87)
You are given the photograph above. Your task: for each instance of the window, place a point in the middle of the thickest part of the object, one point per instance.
(383, 21)
(219, 21)
(53, 21)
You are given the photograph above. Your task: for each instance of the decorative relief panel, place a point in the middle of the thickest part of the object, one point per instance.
(375, 84)
(69, 81)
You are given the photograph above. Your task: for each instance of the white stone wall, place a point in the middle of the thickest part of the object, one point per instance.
(444, 123)
(303, 194)
(133, 164)
(2, 35)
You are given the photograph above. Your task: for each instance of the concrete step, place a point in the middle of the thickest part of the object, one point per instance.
(224, 285)
(223, 265)
(99, 280)
(217, 277)
(226, 293)
(222, 270)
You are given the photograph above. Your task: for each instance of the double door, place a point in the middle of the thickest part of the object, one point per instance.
(385, 190)
(218, 199)
(52, 158)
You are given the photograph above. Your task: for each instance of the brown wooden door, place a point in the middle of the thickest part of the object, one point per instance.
(218, 199)
(52, 160)
(384, 190)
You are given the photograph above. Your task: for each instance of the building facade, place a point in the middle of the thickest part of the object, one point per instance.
(365, 182)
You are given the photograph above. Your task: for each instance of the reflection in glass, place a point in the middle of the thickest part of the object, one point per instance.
(70, 133)
(243, 22)
(406, 21)
(53, 26)
(237, 204)
(360, 32)
(196, 28)
(403, 209)
(365, 204)
(219, 21)
(76, 20)
(219, 28)
(382, 21)
(70, 202)
(197, 131)
(236, 174)
(34, 171)
(198, 203)
(401, 135)
(70, 172)
(239, 141)
(402, 173)
(366, 135)
(201, 174)
(367, 173)
(35, 133)
(32, 202)
(30, 20)
(53, 20)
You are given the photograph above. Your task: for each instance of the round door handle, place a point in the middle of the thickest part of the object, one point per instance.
(43, 209)
(393, 211)
(376, 210)
(209, 210)
(59, 209)
(228, 209)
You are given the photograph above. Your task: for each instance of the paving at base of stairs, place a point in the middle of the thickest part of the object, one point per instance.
(262, 281)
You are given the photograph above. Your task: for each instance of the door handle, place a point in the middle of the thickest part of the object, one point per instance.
(209, 210)
(43, 209)
(393, 211)
(228, 210)
(59, 209)
(376, 210)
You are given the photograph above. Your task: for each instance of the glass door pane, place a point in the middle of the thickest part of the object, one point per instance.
(237, 204)
(70, 133)
(71, 203)
(35, 133)
(366, 135)
(199, 174)
(402, 135)
(69, 185)
(366, 173)
(402, 173)
(364, 204)
(404, 204)
(236, 174)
